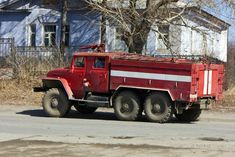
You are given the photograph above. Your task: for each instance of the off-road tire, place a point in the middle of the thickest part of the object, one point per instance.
(158, 107)
(127, 106)
(55, 103)
(189, 115)
(85, 109)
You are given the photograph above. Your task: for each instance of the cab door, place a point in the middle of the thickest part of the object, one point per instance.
(77, 74)
(98, 74)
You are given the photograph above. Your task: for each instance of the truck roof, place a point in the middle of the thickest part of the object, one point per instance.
(131, 56)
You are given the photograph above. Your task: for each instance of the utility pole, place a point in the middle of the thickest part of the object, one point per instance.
(64, 12)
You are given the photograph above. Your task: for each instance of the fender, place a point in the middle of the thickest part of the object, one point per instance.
(60, 82)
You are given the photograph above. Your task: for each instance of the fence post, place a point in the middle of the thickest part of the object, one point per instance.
(14, 59)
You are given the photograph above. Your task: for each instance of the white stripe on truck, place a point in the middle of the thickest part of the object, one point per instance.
(205, 82)
(210, 82)
(152, 76)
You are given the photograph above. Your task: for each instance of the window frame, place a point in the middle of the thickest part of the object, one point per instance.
(49, 35)
(105, 62)
(74, 63)
(31, 33)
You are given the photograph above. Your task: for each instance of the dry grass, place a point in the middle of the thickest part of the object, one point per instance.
(19, 92)
(228, 102)
(26, 69)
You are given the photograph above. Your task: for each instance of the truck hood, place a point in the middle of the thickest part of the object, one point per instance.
(60, 72)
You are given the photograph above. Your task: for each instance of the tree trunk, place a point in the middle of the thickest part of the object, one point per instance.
(103, 26)
(136, 42)
(64, 10)
(137, 46)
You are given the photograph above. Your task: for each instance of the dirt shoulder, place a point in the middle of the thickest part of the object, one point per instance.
(20, 148)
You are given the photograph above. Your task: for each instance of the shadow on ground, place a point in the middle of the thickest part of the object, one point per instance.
(99, 115)
(72, 114)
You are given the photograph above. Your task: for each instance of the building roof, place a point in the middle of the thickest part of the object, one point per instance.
(206, 19)
(6, 3)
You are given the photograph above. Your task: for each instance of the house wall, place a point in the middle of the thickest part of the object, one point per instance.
(84, 26)
(31, 4)
(114, 44)
(211, 43)
(12, 25)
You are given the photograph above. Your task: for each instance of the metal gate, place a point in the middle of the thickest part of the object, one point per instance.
(6, 48)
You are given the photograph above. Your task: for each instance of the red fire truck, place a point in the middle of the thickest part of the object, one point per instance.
(132, 84)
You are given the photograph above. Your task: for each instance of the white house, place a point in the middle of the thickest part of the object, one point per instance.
(205, 34)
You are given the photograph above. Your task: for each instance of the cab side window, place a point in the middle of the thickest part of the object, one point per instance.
(99, 62)
(79, 62)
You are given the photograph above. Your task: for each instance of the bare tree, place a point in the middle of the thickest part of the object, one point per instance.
(136, 18)
(64, 10)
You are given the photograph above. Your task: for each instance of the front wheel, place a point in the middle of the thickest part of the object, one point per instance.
(158, 107)
(55, 103)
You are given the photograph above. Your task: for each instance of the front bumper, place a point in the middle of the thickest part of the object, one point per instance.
(39, 89)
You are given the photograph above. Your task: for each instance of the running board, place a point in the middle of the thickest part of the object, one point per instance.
(92, 103)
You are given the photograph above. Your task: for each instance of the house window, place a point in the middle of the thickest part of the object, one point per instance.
(32, 35)
(49, 35)
(163, 37)
(67, 35)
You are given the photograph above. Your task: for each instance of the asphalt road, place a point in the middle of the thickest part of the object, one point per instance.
(26, 131)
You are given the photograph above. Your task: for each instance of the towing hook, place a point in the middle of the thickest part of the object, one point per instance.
(208, 102)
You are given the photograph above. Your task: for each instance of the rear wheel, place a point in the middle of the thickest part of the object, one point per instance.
(127, 106)
(158, 107)
(55, 103)
(85, 109)
(189, 115)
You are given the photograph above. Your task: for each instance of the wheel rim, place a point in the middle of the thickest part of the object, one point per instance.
(54, 103)
(126, 106)
(157, 108)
